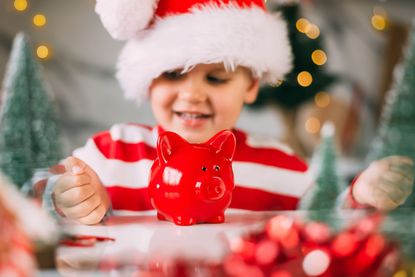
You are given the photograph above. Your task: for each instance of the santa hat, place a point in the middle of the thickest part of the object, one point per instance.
(163, 35)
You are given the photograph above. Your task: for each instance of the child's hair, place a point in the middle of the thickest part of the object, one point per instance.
(163, 35)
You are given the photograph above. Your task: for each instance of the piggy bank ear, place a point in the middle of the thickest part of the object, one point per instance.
(167, 144)
(225, 143)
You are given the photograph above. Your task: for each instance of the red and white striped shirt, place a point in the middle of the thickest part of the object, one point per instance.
(268, 176)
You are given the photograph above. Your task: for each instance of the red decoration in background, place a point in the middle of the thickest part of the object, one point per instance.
(16, 252)
(287, 248)
(192, 183)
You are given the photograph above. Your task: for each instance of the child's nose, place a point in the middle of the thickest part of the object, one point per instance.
(193, 91)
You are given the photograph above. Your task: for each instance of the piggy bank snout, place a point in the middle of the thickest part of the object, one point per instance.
(213, 189)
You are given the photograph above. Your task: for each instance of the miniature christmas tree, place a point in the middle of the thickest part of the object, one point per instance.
(327, 185)
(28, 130)
(397, 130)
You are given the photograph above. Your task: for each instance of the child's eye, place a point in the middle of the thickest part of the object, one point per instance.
(215, 80)
(173, 75)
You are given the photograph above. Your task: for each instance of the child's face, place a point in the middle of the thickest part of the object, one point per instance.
(203, 101)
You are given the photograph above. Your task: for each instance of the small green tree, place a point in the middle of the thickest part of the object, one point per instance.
(28, 129)
(322, 196)
(396, 135)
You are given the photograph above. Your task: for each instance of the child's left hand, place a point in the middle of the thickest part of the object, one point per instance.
(386, 183)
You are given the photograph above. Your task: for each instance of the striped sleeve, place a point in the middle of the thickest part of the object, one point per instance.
(268, 175)
(122, 158)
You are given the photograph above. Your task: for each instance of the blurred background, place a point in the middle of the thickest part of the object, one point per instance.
(345, 55)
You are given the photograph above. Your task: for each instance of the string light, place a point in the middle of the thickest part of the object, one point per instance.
(39, 20)
(302, 25)
(304, 78)
(42, 51)
(313, 31)
(312, 125)
(378, 22)
(322, 99)
(20, 5)
(319, 57)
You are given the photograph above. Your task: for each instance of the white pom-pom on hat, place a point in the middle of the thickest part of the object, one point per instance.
(124, 18)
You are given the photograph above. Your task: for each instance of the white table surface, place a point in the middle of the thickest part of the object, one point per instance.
(142, 238)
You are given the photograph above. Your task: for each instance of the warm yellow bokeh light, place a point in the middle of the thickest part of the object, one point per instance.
(319, 57)
(313, 31)
(401, 273)
(39, 20)
(42, 51)
(20, 5)
(322, 99)
(302, 25)
(312, 125)
(378, 22)
(304, 78)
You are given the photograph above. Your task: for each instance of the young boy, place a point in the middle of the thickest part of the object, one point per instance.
(199, 62)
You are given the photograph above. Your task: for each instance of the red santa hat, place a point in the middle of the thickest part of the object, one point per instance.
(164, 35)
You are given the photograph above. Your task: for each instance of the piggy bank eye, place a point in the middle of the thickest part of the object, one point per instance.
(204, 168)
(216, 167)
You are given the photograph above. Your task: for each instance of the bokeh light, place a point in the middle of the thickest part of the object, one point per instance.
(316, 262)
(378, 22)
(322, 99)
(304, 78)
(39, 20)
(42, 51)
(313, 31)
(313, 125)
(302, 25)
(319, 57)
(20, 5)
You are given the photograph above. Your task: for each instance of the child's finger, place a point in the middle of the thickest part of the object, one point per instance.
(396, 192)
(399, 160)
(67, 182)
(74, 165)
(76, 195)
(396, 177)
(84, 208)
(95, 216)
(403, 168)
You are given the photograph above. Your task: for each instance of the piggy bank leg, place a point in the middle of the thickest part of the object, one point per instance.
(161, 217)
(217, 219)
(184, 220)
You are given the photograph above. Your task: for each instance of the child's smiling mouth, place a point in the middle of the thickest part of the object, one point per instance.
(193, 119)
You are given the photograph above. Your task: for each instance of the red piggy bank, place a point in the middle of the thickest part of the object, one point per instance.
(192, 183)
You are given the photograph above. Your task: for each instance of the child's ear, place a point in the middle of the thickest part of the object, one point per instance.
(252, 91)
(167, 144)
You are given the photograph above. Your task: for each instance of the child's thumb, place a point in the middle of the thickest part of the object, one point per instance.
(74, 165)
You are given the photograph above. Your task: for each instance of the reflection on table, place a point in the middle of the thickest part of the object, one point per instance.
(141, 243)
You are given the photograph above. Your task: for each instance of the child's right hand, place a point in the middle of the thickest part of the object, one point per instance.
(79, 193)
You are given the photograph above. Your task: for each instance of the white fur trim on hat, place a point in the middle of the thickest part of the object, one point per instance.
(125, 18)
(248, 37)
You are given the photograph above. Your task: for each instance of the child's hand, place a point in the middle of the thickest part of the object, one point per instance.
(386, 183)
(79, 194)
